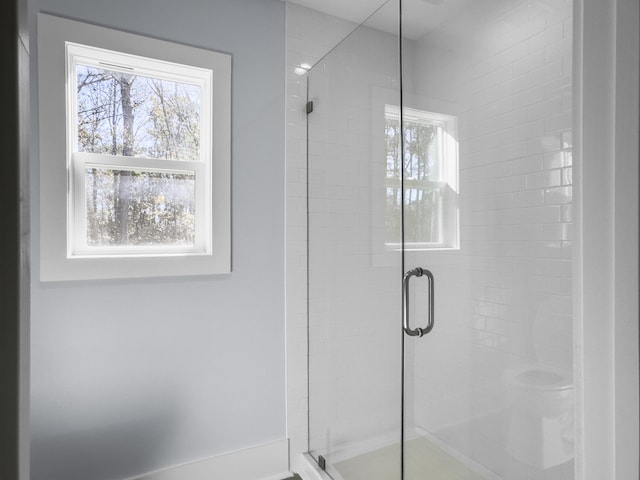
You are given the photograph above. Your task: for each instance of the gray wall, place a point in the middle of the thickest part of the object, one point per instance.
(131, 376)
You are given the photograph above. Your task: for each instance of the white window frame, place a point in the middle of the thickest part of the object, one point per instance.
(64, 253)
(99, 58)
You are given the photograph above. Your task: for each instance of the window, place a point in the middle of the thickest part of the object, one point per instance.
(139, 154)
(136, 181)
(429, 171)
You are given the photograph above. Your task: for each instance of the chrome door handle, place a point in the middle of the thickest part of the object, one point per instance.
(416, 272)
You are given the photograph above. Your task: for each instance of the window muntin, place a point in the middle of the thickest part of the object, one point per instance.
(428, 171)
(132, 119)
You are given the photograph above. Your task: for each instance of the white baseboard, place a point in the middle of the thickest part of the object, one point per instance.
(263, 462)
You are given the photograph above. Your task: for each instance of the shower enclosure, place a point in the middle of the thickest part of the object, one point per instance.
(440, 244)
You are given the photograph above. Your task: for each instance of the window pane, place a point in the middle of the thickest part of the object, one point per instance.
(423, 159)
(127, 207)
(422, 213)
(131, 115)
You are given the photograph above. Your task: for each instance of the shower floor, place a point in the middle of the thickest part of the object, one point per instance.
(423, 460)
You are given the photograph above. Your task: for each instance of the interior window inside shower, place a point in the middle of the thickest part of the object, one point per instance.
(424, 179)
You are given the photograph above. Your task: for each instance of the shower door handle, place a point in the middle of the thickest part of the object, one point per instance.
(416, 272)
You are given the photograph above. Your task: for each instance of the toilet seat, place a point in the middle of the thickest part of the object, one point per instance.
(539, 377)
(541, 399)
(541, 414)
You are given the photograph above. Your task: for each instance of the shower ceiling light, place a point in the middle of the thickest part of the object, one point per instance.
(302, 68)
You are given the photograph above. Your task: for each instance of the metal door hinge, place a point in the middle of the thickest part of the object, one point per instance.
(309, 107)
(322, 463)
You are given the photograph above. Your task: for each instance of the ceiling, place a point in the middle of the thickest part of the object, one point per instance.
(419, 16)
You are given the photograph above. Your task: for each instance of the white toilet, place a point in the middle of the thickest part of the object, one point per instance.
(541, 422)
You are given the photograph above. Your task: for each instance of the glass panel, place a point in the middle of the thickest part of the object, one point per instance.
(132, 115)
(489, 392)
(355, 335)
(126, 207)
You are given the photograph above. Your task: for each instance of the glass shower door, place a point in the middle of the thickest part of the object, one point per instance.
(488, 209)
(450, 166)
(355, 256)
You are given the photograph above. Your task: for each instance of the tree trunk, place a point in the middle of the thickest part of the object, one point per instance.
(124, 188)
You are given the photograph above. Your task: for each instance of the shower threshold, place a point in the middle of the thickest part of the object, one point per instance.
(425, 457)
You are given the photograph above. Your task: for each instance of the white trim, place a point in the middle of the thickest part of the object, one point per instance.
(626, 241)
(269, 461)
(143, 66)
(55, 264)
(606, 275)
